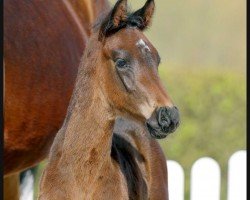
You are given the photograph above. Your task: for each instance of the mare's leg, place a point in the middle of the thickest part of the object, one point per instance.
(11, 187)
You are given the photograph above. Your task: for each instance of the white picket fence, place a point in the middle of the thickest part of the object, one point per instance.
(205, 180)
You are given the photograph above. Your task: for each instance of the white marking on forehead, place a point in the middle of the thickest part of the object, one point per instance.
(142, 44)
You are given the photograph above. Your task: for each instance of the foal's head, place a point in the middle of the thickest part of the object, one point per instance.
(129, 69)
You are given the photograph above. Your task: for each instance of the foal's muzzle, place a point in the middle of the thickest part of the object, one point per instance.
(163, 121)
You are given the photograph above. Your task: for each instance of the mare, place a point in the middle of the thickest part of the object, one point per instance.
(43, 44)
(90, 157)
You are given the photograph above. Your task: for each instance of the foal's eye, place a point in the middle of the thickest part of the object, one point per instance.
(121, 63)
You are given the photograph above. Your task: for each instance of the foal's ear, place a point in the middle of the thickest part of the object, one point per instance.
(145, 14)
(115, 19)
(119, 13)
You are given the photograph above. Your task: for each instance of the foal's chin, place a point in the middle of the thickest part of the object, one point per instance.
(156, 132)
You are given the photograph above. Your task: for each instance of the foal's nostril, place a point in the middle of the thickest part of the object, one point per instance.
(168, 118)
(162, 122)
(163, 117)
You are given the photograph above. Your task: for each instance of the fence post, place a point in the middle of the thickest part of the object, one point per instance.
(27, 187)
(175, 180)
(205, 180)
(237, 176)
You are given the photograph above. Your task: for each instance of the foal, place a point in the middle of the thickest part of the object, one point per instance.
(117, 77)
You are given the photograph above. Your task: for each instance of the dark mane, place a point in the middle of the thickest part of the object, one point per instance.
(127, 157)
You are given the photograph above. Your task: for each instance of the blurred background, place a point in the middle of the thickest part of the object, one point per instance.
(203, 49)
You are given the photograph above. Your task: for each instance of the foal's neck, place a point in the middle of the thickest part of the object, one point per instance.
(89, 127)
(87, 130)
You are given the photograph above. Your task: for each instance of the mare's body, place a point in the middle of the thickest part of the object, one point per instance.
(43, 44)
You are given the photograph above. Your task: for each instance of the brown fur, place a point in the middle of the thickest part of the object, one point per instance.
(43, 44)
(80, 164)
(121, 13)
(42, 49)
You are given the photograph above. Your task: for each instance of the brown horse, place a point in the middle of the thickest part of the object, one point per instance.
(117, 77)
(43, 44)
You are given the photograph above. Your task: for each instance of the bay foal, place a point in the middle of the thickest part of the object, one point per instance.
(117, 77)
